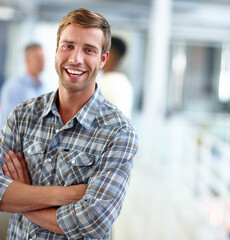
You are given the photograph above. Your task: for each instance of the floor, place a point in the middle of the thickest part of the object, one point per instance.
(160, 205)
(156, 208)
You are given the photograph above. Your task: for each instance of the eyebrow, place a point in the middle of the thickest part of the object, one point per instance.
(66, 41)
(86, 44)
(91, 46)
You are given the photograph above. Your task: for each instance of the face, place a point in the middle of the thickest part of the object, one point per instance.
(79, 58)
(35, 61)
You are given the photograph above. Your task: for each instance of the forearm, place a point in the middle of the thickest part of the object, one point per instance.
(45, 218)
(21, 197)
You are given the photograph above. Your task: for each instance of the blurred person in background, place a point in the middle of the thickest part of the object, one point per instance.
(27, 86)
(115, 85)
(74, 149)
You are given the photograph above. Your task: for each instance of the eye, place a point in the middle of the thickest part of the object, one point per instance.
(90, 50)
(67, 46)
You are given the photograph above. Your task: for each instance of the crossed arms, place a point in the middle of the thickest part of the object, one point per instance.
(37, 203)
(71, 210)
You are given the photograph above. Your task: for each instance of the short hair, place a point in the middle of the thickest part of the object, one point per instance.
(86, 18)
(119, 45)
(31, 46)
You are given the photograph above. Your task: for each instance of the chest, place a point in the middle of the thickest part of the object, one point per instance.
(63, 155)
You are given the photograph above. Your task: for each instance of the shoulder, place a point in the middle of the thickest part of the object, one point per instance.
(117, 128)
(110, 116)
(11, 83)
(114, 77)
(34, 106)
(114, 84)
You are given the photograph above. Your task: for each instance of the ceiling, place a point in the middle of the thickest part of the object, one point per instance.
(187, 15)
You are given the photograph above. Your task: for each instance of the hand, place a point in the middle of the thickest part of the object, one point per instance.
(16, 168)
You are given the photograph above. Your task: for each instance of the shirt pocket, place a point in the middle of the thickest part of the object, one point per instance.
(74, 167)
(34, 152)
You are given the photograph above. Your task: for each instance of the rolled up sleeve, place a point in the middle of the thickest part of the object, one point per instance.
(93, 215)
(8, 141)
(4, 184)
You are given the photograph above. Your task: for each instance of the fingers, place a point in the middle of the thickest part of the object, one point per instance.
(25, 168)
(12, 165)
(6, 171)
(16, 167)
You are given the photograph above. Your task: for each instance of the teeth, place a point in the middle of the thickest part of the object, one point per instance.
(74, 71)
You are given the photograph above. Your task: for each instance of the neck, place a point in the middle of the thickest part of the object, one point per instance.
(35, 77)
(37, 81)
(70, 103)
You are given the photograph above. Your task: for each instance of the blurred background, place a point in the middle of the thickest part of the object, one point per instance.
(178, 62)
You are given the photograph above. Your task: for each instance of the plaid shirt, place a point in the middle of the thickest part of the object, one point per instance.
(96, 147)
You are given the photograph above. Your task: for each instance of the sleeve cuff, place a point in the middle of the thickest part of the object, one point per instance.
(67, 221)
(4, 183)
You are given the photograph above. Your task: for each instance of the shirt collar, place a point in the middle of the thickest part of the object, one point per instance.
(51, 104)
(90, 110)
(29, 79)
(86, 115)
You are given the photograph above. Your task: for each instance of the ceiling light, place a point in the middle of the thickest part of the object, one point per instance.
(6, 13)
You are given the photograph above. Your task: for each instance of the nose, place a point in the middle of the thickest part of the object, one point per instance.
(76, 56)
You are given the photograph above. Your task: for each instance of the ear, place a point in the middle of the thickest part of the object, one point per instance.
(104, 59)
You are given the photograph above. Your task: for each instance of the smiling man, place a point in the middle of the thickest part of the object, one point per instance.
(74, 149)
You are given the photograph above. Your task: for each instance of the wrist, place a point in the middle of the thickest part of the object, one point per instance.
(63, 196)
(67, 195)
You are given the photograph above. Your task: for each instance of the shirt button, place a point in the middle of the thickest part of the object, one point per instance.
(57, 131)
(49, 160)
(73, 161)
(29, 151)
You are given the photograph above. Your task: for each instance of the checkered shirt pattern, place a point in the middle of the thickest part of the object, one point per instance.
(96, 147)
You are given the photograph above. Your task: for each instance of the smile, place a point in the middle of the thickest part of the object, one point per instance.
(74, 72)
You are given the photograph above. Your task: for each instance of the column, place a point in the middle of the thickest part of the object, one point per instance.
(155, 89)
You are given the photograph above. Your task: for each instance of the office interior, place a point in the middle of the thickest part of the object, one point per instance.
(178, 62)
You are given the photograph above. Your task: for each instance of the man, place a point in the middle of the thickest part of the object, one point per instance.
(28, 85)
(115, 85)
(77, 147)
